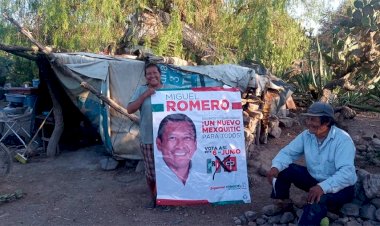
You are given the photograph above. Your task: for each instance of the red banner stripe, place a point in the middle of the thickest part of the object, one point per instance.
(170, 202)
(236, 105)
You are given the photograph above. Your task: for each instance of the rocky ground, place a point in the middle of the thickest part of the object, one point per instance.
(72, 189)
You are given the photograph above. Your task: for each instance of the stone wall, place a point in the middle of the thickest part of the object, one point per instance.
(363, 210)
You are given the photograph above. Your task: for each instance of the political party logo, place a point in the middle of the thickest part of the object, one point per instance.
(228, 164)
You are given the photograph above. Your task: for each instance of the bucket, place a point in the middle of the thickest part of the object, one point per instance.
(35, 82)
(30, 100)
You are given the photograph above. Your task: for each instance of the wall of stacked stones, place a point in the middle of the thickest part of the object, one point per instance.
(363, 210)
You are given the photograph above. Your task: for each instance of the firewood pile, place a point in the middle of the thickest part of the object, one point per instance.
(263, 117)
(258, 122)
(252, 116)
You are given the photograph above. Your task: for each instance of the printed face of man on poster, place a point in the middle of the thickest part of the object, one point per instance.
(177, 141)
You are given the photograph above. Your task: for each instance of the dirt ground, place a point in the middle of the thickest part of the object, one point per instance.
(71, 189)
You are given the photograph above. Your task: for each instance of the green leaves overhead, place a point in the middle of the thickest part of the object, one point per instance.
(239, 30)
(72, 25)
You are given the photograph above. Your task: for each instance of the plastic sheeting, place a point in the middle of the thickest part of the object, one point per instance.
(118, 78)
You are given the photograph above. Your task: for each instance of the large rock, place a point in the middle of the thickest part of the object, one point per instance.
(263, 170)
(275, 219)
(376, 144)
(286, 122)
(377, 214)
(353, 223)
(350, 209)
(287, 217)
(358, 140)
(360, 196)
(260, 221)
(370, 223)
(361, 147)
(376, 202)
(271, 210)
(275, 132)
(368, 211)
(108, 163)
(371, 185)
(342, 221)
(243, 219)
(251, 215)
(368, 135)
(332, 216)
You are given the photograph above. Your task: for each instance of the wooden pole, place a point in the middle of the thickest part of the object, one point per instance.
(58, 117)
(66, 71)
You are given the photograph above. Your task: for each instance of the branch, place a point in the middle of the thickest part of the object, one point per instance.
(16, 48)
(18, 51)
(87, 86)
(60, 66)
(28, 34)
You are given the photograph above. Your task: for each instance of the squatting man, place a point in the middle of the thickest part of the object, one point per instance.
(329, 175)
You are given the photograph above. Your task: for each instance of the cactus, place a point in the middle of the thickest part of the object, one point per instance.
(358, 4)
(364, 15)
(355, 41)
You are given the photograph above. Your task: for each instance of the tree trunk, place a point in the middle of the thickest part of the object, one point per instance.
(44, 70)
(148, 25)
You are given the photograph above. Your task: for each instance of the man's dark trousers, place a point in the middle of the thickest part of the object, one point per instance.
(300, 177)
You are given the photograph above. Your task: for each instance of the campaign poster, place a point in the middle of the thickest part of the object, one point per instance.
(199, 146)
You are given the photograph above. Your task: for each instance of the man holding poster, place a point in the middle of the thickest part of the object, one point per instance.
(177, 141)
(199, 151)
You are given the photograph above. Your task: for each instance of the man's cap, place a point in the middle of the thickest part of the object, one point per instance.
(320, 109)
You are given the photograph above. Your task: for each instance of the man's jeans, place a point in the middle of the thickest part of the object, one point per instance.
(300, 177)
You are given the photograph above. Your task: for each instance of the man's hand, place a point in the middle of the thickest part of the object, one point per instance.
(315, 194)
(273, 172)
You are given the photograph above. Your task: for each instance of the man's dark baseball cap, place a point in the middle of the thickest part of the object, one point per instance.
(320, 109)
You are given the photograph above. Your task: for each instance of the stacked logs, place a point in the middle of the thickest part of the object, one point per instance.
(259, 118)
(263, 116)
(252, 116)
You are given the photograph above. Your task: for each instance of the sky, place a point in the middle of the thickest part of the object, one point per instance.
(301, 12)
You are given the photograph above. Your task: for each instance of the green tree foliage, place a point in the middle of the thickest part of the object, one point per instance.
(72, 25)
(238, 30)
(14, 69)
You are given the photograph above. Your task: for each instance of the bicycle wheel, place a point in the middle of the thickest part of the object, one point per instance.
(5, 160)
